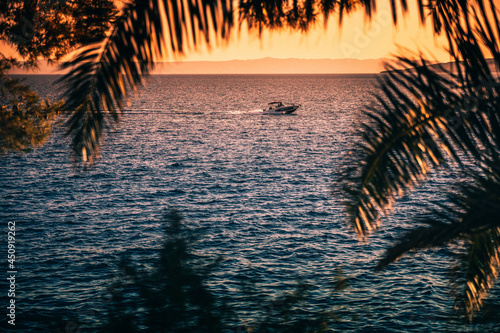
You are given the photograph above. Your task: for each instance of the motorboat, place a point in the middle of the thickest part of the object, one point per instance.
(281, 108)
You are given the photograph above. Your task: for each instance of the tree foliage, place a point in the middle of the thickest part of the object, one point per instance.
(47, 29)
(25, 121)
(172, 296)
(101, 75)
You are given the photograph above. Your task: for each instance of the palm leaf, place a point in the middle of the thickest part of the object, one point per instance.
(476, 271)
(472, 210)
(471, 217)
(101, 75)
(410, 133)
(426, 117)
(477, 268)
(282, 14)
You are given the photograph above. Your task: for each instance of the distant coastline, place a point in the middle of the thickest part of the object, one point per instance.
(265, 66)
(275, 66)
(448, 67)
(254, 66)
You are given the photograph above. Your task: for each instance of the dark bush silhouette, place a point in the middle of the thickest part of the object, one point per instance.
(172, 295)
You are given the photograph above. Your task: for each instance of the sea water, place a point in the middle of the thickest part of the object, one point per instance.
(258, 186)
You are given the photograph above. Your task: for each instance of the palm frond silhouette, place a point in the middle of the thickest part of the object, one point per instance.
(102, 73)
(429, 117)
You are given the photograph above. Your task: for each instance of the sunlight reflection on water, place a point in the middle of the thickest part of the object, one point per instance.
(258, 186)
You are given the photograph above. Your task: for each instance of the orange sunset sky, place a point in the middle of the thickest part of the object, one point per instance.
(357, 39)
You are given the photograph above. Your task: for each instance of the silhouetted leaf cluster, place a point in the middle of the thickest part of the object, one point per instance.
(25, 121)
(429, 117)
(49, 29)
(102, 73)
(171, 294)
(45, 29)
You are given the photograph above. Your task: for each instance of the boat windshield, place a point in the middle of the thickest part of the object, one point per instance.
(276, 104)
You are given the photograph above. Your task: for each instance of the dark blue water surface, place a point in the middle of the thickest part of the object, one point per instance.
(257, 185)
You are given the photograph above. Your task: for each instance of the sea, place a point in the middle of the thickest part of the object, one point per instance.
(257, 186)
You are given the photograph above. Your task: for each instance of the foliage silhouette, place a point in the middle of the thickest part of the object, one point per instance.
(25, 121)
(47, 29)
(172, 295)
(287, 312)
(431, 117)
(50, 29)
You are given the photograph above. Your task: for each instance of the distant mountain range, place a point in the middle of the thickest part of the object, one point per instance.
(452, 67)
(256, 66)
(274, 66)
(264, 66)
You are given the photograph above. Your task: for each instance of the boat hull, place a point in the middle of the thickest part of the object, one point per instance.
(286, 109)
